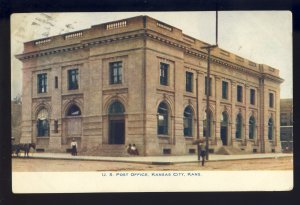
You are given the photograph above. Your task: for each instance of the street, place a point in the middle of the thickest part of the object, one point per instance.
(54, 165)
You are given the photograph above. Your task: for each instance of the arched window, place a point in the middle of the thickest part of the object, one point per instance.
(162, 119)
(251, 127)
(270, 129)
(210, 125)
(188, 121)
(43, 123)
(239, 125)
(116, 108)
(73, 110)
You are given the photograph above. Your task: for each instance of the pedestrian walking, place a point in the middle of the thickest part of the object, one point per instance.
(74, 147)
(202, 152)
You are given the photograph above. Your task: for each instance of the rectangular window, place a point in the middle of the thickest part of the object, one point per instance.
(115, 69)
(189, 82)
(271, 100)
(73, 79)
(164, 73)
(224, 90)
(56, 82)
(209, 86)
(239, 96)
(42, 83)
(252, 96)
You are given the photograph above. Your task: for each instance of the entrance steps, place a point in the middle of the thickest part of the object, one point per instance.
(109, 150)
(229, 150)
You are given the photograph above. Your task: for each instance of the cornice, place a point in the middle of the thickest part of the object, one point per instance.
(81, 45)
(202, 55)
(185, 47)
(272, 78)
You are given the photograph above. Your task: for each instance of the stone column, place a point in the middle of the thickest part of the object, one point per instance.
(26, 125)
(261, 115)
(246, 99)
(201, 91)
(233, 113)
(176, 138)
(277, 122)
(218, 95)
(55, 137)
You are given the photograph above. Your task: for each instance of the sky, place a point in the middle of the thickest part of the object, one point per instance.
(261, 36)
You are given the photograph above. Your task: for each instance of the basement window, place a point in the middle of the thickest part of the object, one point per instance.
(192, 151)
(166, 151)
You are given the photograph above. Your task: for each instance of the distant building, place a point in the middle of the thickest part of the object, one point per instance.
(286, 124)
(134, 81)
(16, 119)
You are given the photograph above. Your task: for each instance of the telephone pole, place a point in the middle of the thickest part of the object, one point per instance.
(208, 117)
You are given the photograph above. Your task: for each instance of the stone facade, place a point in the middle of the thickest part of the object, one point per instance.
(140, 86)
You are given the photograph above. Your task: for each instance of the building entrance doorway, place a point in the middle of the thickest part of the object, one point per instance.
(224, 135)
(224, 128)
(116, 123)
(116, 131)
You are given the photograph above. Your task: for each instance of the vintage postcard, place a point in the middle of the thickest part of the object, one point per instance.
(152, 101)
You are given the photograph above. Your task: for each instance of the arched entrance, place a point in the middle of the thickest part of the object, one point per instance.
(116, 123)
(224, 128)
(72, 124)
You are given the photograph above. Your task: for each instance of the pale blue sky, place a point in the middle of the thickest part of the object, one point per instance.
(260, 36)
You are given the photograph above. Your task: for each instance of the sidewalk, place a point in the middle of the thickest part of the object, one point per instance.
(156, 159)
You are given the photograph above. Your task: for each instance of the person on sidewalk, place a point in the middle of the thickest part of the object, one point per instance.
(74, 147)
(129, 149)
(134, 150)
(202, 151)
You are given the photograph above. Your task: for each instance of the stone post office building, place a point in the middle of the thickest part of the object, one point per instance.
(134, 81)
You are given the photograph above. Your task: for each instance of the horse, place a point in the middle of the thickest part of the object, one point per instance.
(22, 147)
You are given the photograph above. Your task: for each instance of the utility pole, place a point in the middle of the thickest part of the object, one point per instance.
(208, 48)
(197, 110)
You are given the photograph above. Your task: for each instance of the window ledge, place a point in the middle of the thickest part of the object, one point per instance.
(72, 93)
(72, 117)
(188, 137)
(41, 137)
(190, 94)
(163, 136)
(44, 95)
